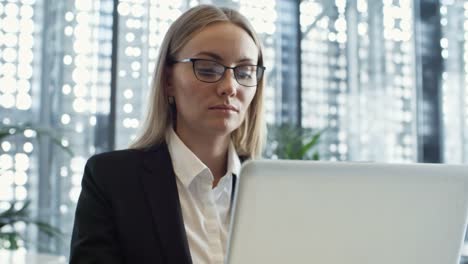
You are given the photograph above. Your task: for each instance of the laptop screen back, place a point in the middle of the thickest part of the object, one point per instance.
(354, 213)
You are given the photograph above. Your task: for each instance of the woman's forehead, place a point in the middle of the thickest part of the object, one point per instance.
(224, 40)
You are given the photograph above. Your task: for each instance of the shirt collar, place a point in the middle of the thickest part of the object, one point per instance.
(187, 166)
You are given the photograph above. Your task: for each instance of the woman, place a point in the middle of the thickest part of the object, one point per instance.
(167, 199)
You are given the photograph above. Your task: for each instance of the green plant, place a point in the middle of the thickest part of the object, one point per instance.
(15, 130)
(9, 237)
(291, 142)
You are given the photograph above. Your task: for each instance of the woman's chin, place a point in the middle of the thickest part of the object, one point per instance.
(223, 126)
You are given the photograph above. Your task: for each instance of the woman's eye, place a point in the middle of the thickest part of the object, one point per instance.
(245, 75)
(207, 71)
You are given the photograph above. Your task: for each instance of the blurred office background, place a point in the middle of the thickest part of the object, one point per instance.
(386, 79)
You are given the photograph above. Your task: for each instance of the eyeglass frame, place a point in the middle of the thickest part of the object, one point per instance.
(194, 60)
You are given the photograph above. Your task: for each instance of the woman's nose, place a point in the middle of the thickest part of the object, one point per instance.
(228, 84)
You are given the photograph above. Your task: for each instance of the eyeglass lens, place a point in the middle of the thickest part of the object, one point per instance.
(211, 71)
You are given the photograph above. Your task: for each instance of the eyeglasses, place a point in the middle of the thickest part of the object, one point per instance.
(212, 71)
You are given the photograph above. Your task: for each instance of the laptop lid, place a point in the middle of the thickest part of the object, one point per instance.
(354, 213)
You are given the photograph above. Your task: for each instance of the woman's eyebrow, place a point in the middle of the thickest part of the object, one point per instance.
(245, 59)
(210, 54)
(219, 58)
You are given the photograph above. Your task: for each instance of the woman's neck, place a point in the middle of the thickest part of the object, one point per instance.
(211, 150)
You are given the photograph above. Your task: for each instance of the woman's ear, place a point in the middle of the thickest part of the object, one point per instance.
(168, 84)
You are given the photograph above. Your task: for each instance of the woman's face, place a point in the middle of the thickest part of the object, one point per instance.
(213, 108)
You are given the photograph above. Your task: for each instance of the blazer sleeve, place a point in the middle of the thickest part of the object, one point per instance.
(94, 236)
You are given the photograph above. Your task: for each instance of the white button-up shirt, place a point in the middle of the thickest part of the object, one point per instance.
(206, 210)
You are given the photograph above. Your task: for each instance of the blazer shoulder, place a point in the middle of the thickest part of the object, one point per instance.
(121, 158)
(115, 169)
(114, 159)
(115, 155)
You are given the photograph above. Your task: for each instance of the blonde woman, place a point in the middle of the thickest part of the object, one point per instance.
(167, 199)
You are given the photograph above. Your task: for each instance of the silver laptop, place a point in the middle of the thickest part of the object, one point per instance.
(354, 213)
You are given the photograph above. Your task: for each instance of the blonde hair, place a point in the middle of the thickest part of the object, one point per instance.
(248, 137)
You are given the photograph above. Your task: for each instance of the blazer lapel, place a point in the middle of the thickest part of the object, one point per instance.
(159, 185)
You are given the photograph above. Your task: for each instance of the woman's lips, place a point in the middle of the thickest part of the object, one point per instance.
(227, 108)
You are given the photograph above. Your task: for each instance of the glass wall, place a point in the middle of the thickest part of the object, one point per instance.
(19, 86)
(385, 79)
(454, 83)
(55, 61)
(358, 78)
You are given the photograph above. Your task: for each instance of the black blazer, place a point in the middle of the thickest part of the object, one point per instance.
(129, 210)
